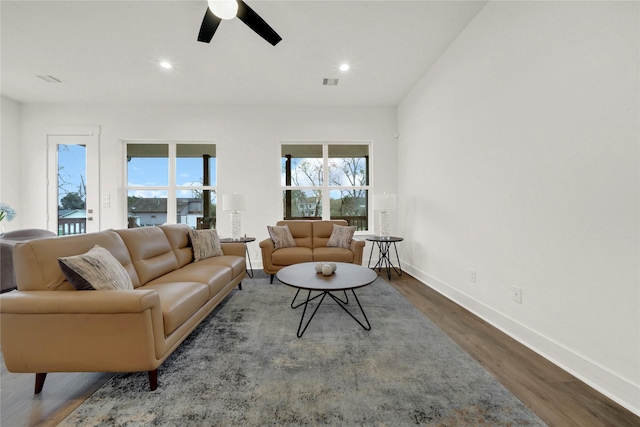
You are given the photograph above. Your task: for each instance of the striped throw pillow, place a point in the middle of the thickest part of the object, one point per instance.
(205, 243)
(281, 236)
(95, 270)
(341, 236)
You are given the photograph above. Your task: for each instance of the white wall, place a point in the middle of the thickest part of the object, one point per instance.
(519, 158)
(247, 140)
(10, 177)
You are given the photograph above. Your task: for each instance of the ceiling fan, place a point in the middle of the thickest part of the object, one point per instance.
(228, 9)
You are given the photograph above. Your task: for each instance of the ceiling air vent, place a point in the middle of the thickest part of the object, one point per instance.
(330, 82)
(48, 78)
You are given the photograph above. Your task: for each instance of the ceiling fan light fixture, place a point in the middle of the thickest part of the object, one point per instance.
(223, 9)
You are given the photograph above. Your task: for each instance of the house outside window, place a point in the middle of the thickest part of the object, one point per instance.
(326, 181)
(171, 182)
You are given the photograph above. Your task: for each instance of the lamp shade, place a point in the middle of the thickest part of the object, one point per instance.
(384, 201)
(233, 202)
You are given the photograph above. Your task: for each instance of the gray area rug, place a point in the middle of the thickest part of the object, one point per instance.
(245, 366)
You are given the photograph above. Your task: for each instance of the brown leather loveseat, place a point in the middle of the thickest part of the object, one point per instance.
(311, 238)
(49, 326)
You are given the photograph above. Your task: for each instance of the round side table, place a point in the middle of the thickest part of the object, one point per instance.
(384, 260)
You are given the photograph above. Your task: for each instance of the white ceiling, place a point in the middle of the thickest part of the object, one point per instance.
(109, 51)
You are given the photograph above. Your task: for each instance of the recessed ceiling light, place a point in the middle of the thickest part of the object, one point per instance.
(344, 67)
(165, 64)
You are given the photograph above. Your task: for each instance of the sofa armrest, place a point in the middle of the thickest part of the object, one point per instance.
(237, 249)
(267, 244)
(357, 247)
(78, 302)
(267, 248)
(58, 331)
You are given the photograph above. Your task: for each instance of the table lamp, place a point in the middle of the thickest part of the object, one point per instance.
(384, 202)
(234, 202)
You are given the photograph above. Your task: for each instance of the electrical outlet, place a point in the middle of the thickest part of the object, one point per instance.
(516, 294)
(472, 276)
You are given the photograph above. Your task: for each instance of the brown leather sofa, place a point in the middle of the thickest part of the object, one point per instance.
(49, 326)
(311, 239)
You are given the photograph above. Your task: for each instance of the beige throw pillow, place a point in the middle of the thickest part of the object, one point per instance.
(95, 270)
(341, 236)
(281, 236)
(205, 243)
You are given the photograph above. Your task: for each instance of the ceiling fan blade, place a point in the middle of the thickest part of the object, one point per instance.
(209, 26)
(256, 23)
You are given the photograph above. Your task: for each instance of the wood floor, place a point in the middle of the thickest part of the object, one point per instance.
(554, 395)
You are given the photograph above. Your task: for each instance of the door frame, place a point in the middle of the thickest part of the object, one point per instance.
(92, 133)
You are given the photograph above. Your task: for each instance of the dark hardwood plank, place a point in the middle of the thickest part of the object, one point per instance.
(62, 393)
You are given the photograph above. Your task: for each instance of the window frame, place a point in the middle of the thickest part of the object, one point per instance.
(172, 188)
(326, 188)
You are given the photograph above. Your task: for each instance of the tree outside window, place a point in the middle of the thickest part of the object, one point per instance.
(333, 175)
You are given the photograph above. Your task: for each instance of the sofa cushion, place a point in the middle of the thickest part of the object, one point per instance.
(150, 251)
(331, 254)
(179, 301)
(206, 244)
(281, 236)
(178, 236)
(302, 231)
(322, 231)
(216, 277)
(290, 256)
(341, 236)
(95, 269)
(236, 264)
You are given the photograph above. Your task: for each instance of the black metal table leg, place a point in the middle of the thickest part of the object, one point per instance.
(370, 255)
(380, 257)
(384, 260)
(250, 270)
(339, 301)
(306, 303)
(398, 272)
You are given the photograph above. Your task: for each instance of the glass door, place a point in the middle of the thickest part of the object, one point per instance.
(73, 191)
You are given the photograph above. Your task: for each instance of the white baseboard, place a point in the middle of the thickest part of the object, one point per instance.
(618, 389)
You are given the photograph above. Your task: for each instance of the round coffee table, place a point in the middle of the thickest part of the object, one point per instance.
(347, 277)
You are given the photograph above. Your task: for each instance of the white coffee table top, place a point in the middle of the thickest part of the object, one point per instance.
(346, 276)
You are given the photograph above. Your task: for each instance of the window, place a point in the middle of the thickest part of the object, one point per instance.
(326, 181)
(171, 182)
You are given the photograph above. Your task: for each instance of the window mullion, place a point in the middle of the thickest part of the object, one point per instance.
(326, 194)
(172, 207)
